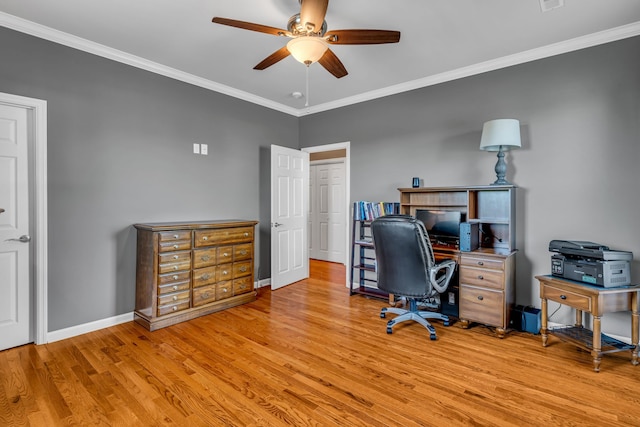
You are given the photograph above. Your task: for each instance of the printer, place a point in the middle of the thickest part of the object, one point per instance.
(590, 262)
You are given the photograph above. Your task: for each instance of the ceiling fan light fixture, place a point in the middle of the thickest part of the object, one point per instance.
(307, 49)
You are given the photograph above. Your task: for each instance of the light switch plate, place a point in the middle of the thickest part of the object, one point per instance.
(204, 149)
(196, 148)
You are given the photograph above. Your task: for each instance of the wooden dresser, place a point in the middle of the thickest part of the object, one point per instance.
(188, 269)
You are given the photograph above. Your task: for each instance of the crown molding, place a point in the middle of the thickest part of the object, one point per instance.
(43, 32)
(46, 33)
(602, 37)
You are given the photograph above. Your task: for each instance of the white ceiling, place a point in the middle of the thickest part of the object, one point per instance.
(441, 40)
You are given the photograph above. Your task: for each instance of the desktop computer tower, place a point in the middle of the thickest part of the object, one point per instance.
(449, 303)
(469, 236)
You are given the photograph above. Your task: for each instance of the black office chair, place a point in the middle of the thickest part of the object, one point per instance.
(406, 267)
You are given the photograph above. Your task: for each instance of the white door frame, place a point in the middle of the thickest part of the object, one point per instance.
(347, 192)
(37, 116)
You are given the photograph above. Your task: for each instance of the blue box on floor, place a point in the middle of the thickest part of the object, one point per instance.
(526, 319)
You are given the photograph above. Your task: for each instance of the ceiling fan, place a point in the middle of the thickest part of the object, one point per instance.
(310, 39)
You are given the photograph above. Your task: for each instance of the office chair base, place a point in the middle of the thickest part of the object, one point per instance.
(413, 314)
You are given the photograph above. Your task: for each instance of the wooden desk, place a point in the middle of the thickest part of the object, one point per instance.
(596, 300)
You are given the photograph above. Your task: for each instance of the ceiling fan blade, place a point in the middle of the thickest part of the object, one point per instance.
(313, 12)
(362, 36)
(276, 56)
(251, 26)
(332, 64)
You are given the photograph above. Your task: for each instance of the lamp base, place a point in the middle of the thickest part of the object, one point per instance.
(501, 169)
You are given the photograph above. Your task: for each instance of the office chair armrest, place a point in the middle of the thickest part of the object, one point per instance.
(441, 284)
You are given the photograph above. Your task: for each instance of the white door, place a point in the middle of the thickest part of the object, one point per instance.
(289, 209)
(15, 289)
(327, 213)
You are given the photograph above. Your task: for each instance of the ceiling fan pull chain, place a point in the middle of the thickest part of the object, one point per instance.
(306, 103)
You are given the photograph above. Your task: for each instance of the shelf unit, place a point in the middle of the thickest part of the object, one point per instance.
(363, 278)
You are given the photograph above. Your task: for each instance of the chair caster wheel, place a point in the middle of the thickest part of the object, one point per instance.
(433, 337)
(383, 315)
(389, 331)
(446, 323)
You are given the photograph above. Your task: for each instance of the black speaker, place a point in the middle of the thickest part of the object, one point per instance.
(469, 235)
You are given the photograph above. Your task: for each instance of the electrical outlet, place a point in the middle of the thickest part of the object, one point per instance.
(196, 148)
(204, 149)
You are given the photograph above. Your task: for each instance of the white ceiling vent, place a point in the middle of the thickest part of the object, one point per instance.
(547, 5)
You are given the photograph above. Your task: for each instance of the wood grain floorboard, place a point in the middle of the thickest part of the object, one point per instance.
(311, 355)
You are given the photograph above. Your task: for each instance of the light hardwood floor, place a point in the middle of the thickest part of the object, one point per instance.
(311, 355)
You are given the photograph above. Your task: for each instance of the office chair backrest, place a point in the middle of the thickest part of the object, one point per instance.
(403, 255)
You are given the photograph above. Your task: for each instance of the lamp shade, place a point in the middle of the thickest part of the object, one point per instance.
(307, 49)
(501, 134)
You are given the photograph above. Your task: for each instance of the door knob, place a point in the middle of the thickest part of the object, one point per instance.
(24, 239)
(277, 224)
(1, 210)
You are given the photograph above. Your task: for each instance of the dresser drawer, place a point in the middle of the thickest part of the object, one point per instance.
(173, 308)
(225, 254)
(224, 290)
(482, 277)
(241, 269)
(482, 305)
(173, 287)
(204, 257)
(174, 297)
(204, 295)
(204, 276)
(178, 245)
(242, 252)
(481, 262)
(242, 286)
(576, 301)
(179, 276)
(223, 236)
(174, 266)
(166, 236)
(224, 272)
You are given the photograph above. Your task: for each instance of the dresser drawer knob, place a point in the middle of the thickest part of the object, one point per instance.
(175, 267)
(243, 268)
(480, 277)
(246, 234)
(176, 257)
(225, 290)
(205, 258)
(175, 287)
(480, 263)
(205, 238)
(243, 252)
(175, 236)
(205, 295)
(225, 272)
(175, 308)
(480, 297)
(175, 277)
(205, 276)
(563, 297)
(175, 297)
(225, 254)
(175, 246)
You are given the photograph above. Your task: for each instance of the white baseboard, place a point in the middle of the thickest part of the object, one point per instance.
(73, 331)
(264, 282)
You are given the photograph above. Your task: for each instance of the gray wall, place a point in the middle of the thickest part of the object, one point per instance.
(577, 172)
(120, 152)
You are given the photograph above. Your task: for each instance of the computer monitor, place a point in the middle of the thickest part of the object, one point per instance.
(442, 225)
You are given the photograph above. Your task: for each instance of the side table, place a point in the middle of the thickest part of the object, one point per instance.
(592, 299)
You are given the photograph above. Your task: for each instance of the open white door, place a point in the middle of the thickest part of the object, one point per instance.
(289, 210)
(15, 287)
